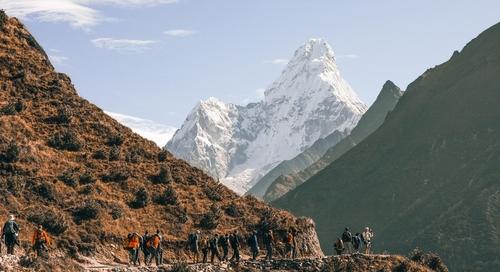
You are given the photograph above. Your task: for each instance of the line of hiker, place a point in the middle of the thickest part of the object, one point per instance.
(349, 243)
(150, 245)
(10, 237)
(197, 244)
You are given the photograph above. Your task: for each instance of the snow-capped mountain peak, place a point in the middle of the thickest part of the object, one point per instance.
(239, 144)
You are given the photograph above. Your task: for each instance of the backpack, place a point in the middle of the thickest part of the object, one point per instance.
(9, 227)
(192, 239)
(346, 236)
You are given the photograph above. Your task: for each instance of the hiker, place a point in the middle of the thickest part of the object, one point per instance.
(254, 244)
(133, 246)
(145, 251)
(235, 245)
(224, 244)
(338, 246)
(347, 240)
(268, 243)
(193, 245)
(204, 249)
(214, 250)
(10, 232)
(356, 242)
(289, 245)
(40, 241)
(367, 236)
(155, 248)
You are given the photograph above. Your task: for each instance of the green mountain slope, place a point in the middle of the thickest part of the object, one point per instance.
(371, 120)
(430, 175)
(298, 163)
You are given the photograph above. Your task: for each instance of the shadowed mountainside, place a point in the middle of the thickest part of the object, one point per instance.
(429, 175)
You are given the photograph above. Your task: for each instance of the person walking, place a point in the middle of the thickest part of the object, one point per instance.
(235, 245)
(193, 240)
(367, 236)
(10, 232)
(144, 246)
(214, 251)
(347, 240)
(224, 244)
(253, 242)
(338, 246)
(204, 249)
(289, 245)
(40, 242)
(269, 243)
(156, 247)
(356, 242)
(133, 246)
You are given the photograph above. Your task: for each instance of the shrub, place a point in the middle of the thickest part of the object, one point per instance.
(88, 210)
(115, 140)
(116, 175)
(192, 180)
(87, 189)
(114, 153)
(12, 108)
(46, 191)
(435, 263)
(116, 212)
(213, 193)
(65, 140)
(51, 220)
(69, 178)
(63, 116)
(11, 153)
(141, 199)
(162, 156)
(99, 155)
(233, 210)
(133, 156)
(417, 256)
(3, 19)
(167, 197)
(15, 185)
(210, 220)
(87, 178)
(164, 176)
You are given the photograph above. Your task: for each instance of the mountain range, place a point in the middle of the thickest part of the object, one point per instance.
(240, 144)
(429, 176)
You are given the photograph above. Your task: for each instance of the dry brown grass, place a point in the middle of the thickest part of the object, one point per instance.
(52, 107)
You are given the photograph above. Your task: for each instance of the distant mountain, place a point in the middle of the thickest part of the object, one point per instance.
(298, 163)
(430, 175)
(240, 144)
(290, 174)
(151, 130)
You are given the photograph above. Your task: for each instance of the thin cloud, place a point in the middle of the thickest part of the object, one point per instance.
(58, 60)
(180, 32)
(277, 61)
(123, 45)
(77, 13)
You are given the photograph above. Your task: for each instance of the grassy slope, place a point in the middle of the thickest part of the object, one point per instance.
(30, 184)
(429, 175)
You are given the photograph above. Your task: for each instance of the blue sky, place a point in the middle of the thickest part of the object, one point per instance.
(156, 58)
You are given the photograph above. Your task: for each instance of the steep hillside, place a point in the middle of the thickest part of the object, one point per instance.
(429, 175)
(298, 163)
(240, 144)
(371, 120)
(90, 181)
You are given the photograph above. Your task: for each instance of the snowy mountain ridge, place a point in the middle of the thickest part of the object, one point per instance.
(240, 144)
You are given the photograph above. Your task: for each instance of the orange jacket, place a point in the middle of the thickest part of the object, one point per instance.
(133, 242)
(40, 236)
